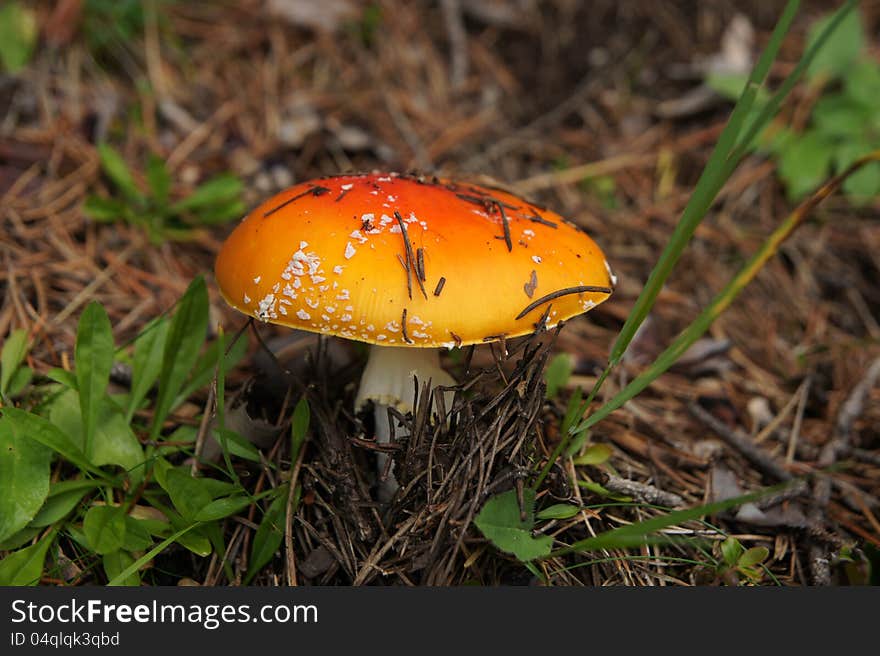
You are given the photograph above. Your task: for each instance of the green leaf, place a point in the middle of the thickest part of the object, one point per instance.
(236, 444)
(220, 508)
(196, 541)
(25, 566)
(864, 184)
(158, 178)
(62, 377)
(189, 495)
(42, 431)
(500, 521)
(185, 339)
(14, 349)
(841, 49)
(217, 488)
(839, 116)
(113, 443)
(754, 556)
(270, 533)
(117, 170)
(804, 165)
(116, 563)
(862, 83)
(559, 511)
(19, 539)
(104, 528)
(18, 35)
(557, 374)
(731, 550)
(218, 190)
(147, 362)
(57, 507)
(595, 454)
(94, 358)
(105, 210)
(24, 477)
(137, 537)
(179, 536)
(596, 488)
(299, 426)
(732, 85)
(20, 379)
(222, 213)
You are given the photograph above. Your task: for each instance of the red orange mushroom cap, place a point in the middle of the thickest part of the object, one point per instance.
(405, 261)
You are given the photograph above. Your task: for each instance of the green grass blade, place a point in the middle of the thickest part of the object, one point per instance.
(120, 578)
(713, 178)
(635, 534)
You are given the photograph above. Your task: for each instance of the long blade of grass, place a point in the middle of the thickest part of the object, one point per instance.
(723, 300)
(713, 178)
(635, 534)
(120, 578)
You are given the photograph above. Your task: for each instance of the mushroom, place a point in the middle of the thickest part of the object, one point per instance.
(408, 264)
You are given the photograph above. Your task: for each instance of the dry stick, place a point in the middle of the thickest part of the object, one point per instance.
(851, 409)
(563, 292)
(798, 420)
(200, 134)
(314, 191)
(642, 491)
(378, 552)
(458, 47)
(406, 268)
(420, 264)
(505, 224)
(203, 429)
(741, 443)
(781, 416)
(410, 258)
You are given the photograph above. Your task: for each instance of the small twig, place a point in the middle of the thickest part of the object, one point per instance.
(458, 47)
(741, 443)
(798, 420)
(563, 292)
(641, 491)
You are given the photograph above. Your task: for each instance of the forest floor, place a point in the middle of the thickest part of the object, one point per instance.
(522, 93)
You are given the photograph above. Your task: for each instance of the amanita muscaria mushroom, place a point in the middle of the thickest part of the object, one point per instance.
(408, 264)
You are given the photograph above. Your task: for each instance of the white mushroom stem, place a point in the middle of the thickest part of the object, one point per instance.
(387, 381)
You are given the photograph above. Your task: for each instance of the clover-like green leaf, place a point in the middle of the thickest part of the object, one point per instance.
(509, 527)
